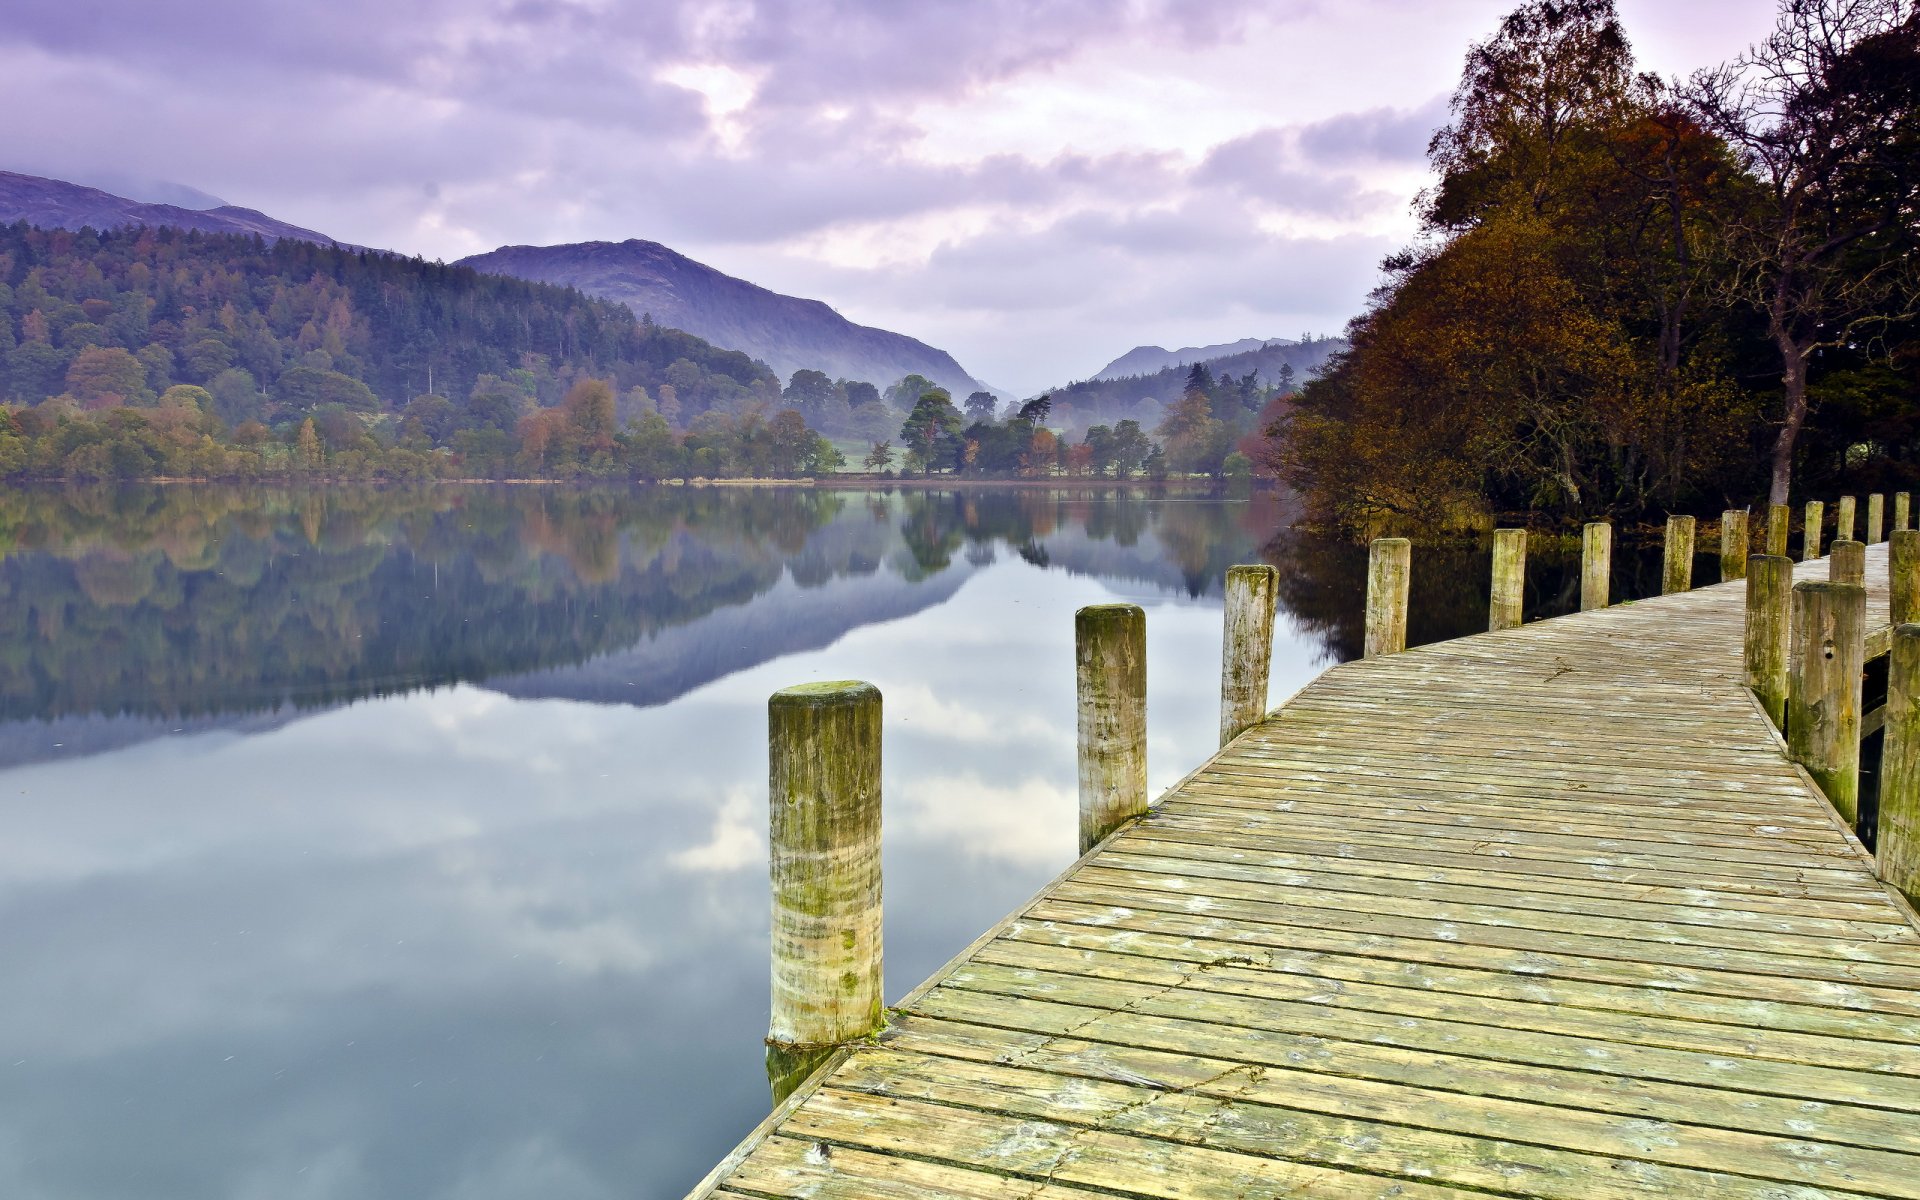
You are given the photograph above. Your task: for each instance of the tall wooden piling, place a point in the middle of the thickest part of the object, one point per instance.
(1902, 510)
(1847, 562)
(1897, 845)
(1779, 525)
(1843, 520)
(1903, 576)
(1823, 702)
(1768, 640)
(823, 743)
(1596, 565)
(1389, 572)
(1811, 534)
(1733, 544)
(1509, 592)
(1246, 647)
(1110, 655)
(1678, 574)
(1876, 518)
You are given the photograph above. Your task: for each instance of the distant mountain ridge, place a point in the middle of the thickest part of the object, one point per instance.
(1142, 396)
(56, 204)
(785, 332)
(1145, 360)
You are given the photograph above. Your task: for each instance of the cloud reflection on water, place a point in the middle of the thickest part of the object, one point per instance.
(457, 942)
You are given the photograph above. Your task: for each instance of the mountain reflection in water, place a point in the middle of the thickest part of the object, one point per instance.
(395, 843)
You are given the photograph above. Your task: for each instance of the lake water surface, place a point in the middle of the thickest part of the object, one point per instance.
(411, 844)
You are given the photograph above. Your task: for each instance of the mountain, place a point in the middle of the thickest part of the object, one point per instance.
(1141, 396)
(1144, 360)
(785, 332)
(56, 204)
(277, 331)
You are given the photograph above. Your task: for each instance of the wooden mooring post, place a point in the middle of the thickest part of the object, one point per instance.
(823, 743)
(1733, 544)
(1678, 573)
(1876, 517)
(1246, 647)
(1389, 572)
(1823, 703)
(1508, 595)
(1779, 525)
(1769, 636)
(1843, 520)
(1897, 842)
(1596, 565)
(1902, 510)
(1110, 657)
(1903, 576)
(1847, 562)
(1811, 533)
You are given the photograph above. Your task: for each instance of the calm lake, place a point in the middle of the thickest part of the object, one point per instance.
(412, 843)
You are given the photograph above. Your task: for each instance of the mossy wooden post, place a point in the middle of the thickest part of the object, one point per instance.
(1903, 576)
(1596, 565)
(1779, 524)
(1843, 520)
(1110, 653)
(1876, 518)
(823, 742)
(1509, 593)
(1811, 533)
(1847, 561)
(1897, 848)
(1678, 575)
(1769, 596)
(1823, 701)
(1389, 570)
(1902, 510)
(1733, 544)
(1246, 647)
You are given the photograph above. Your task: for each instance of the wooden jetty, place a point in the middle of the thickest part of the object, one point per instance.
(1548, 911)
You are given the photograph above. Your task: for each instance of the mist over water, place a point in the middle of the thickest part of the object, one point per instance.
(412, 843)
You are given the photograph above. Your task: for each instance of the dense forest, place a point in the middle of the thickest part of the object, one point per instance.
(1632, 294)
(146, 353)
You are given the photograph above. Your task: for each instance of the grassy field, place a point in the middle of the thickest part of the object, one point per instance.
(855, 452)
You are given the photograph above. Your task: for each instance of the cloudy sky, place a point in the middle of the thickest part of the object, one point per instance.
(1034, 185)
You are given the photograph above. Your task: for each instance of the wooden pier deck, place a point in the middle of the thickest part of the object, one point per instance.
(1545, 912)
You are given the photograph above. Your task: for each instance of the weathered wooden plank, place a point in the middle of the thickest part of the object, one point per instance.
(1051, 1021)
(1255, 980)
(1338, 1120)
(1455, 932)
(1053, 1152)
(1352, 875)
(1483, 981)
(1468, 1039)
(1523, 960)
(1182, 887)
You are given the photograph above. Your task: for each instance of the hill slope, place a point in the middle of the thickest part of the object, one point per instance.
(277, 331)
(1145, 360)
(1142, 396)
(56, 204)
(785, 332)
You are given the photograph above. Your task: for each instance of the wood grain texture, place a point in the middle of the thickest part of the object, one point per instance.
(1541, 912)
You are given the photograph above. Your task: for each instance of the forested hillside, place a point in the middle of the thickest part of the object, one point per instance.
(146, 351)
(277, 329)
(1144, 398)
(789, 333)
